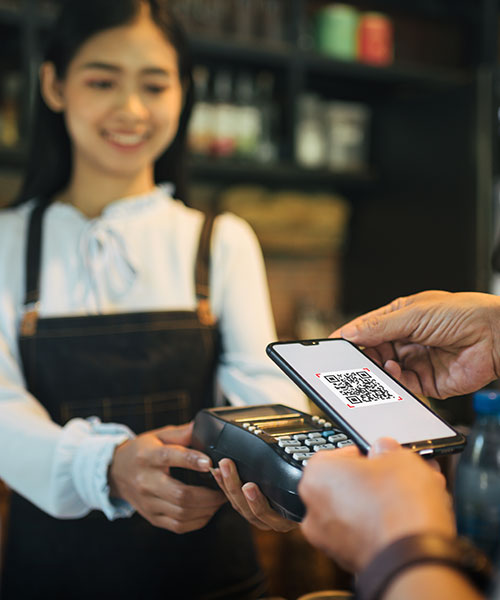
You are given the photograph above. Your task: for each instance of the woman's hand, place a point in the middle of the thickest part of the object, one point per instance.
(139, 474)
(248, 500)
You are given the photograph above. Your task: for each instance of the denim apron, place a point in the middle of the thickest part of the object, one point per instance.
(146, 370)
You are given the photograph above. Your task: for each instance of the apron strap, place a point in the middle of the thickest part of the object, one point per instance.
(33, 258)
(202, 271)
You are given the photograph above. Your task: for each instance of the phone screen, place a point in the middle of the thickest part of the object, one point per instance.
(373, 403)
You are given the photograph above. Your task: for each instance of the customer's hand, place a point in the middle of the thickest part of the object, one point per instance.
(436, 343)
(248, 500)
(139, 474)
(357, 505)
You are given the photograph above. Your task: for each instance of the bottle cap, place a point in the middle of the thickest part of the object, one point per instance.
(487, 402)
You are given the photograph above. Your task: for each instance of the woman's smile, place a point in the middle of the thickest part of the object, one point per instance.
(124, 140)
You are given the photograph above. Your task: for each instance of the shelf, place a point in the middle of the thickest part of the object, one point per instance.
(461, 10)
(397, 74)
(281, 174)
(251, 51)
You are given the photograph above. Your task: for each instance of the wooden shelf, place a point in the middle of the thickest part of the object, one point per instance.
(247, 51)
(280, 174)
(397, 74)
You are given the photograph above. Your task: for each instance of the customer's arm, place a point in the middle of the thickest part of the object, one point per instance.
(358, 506)
(432, 582)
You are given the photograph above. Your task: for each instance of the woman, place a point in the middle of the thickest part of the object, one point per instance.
(109, 308)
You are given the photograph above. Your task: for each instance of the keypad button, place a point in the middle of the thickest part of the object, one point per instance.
(284, 443)
(251, 428)
(292, 449)
(328, 432)
(257, 431)
(338, 437)
(315, 441)
(246, 425)
(323, 447)
(321, 422)
(346, 443)
(314, 434)
(327, 424)
(284, 437)
(315, 418)
(300, 436)
(300, 455)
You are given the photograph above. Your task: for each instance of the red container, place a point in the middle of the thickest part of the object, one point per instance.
(375, 39)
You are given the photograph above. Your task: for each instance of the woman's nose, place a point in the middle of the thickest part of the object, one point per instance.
(131, 104)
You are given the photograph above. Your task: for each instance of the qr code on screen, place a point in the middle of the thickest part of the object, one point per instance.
(359, 387)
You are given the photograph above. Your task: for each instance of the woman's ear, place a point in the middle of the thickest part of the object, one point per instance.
(51, 87)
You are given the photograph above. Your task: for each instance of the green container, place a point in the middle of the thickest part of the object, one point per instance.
(336, 31)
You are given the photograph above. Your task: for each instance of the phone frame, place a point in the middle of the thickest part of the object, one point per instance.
(426, 448)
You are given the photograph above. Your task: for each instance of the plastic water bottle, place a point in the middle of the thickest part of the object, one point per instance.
(477, 482)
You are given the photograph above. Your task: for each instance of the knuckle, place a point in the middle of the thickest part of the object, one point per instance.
(181, 514)
(142, 455)
(155, 520)
(182, 495)
(165, 456)
(192, 460)
(178, 527)
(399, 303)
(140, 483)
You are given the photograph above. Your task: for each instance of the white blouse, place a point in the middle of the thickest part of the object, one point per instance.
(139, 255)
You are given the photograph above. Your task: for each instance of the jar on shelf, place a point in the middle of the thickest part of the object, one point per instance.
(375, 39)
(310, 143)
(336, 31)
(347, 130)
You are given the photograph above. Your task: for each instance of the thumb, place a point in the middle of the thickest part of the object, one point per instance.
(175, 434)
(382, 446)
(378, 327)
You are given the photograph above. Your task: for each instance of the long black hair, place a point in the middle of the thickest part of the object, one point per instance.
(49, 161)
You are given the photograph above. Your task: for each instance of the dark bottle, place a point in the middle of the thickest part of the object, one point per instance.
(477, 482)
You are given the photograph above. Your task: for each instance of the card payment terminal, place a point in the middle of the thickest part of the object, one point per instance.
(269, 444)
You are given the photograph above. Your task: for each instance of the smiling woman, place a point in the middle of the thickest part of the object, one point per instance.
(119, 311)
(122, 94)
(121, 114)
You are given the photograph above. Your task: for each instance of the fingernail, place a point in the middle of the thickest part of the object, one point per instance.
(383, 446)
(204, 463)
(224, 467)
(250, 492)
(215, 474)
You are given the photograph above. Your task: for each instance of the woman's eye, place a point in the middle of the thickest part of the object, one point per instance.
(101, 84)
(155, 89)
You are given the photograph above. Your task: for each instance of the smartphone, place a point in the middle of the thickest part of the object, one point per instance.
(364, 400)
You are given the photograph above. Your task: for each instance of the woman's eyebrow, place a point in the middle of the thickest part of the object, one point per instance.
(116, 69)
(101, 65)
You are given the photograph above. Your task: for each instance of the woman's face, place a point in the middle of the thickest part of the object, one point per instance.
(122, 98)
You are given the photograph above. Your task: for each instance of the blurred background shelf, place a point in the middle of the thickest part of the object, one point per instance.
(281, 174)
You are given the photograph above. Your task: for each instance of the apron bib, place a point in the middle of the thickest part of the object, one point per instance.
(146, 370)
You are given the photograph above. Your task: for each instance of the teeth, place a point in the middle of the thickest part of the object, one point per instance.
(126, 139)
